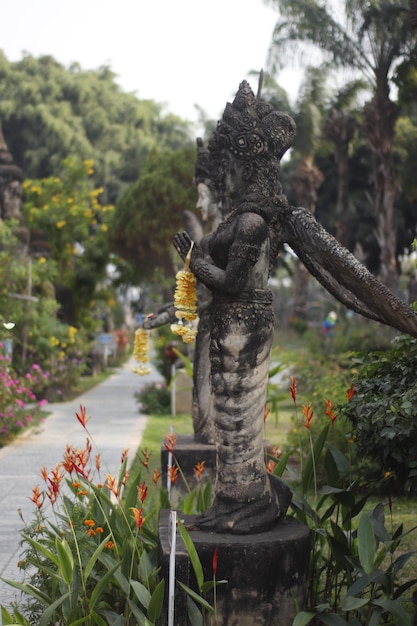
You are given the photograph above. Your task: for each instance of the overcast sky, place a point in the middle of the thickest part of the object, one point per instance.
(177, 52)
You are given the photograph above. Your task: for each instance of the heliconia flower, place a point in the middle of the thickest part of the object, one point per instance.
(37, 497)
(270, 466)
(170, 442)
(276, 452)
(350, 393)
(138, 517)
(142, 491)
(111, 484)
(124, 455)
(173, 473)
(156, 476)
(308, 414)
(146, 457)
(81, 416)
(199, 469)
(329, 411)
(98, 462)
(44, 474)
(293, 389)
(214, 561)
(125, 477)
(266, 413)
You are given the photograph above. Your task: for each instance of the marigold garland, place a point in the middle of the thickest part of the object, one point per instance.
(185, 302)
(140, 352)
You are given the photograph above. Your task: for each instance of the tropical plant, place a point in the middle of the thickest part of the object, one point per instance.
(372, 39)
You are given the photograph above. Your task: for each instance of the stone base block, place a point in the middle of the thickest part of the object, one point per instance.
(266, 573)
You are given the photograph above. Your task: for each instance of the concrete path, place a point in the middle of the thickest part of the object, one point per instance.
(115, 425)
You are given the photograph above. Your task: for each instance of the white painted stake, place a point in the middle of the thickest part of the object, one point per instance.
(171, 588)
(173, 390)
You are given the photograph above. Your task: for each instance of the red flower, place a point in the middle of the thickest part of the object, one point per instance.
(170, 442)
(329, 411)
(308, 414)
(350, 393)
(142, 491)
(111, 484)
(199, 469)
(81, 417)
(293, 389)
(124, 455)
(156, 476)
(37, 498)
(138, 517)
(214, 562)
(270, 466)
(173, 473)
(146, 457)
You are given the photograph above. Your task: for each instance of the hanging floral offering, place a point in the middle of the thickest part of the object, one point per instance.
(185, 302)
(140, 352)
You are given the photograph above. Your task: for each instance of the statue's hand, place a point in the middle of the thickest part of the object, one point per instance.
(182, 244)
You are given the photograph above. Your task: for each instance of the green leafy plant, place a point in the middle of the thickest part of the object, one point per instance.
(382, 411)
(356, 563)
(155, 399)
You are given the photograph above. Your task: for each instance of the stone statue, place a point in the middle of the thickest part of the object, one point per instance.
(212, 207)
(249, 142)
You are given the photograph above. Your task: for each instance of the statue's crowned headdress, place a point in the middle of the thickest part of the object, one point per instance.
(251, 128)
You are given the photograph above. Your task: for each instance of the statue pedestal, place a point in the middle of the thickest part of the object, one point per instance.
(266, 573)
(188, 453)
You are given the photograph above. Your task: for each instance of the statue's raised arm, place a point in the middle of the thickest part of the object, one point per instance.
(342, 274)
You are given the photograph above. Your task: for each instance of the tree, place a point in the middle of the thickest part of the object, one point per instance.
(371, 38)
(49, 112)
(150, 213)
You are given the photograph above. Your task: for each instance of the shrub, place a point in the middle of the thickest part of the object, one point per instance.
(155, 399)
(383, 411)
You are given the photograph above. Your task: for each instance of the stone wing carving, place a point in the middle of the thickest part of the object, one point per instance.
(343, 275)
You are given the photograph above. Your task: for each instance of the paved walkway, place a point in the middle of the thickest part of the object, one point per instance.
(115, 425)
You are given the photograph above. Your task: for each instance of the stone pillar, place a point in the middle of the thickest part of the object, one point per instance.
(266, 573)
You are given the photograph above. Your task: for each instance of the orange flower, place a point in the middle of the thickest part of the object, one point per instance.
(276, 452)
(146, 457)
(329, 411)
(37, 497)
(266, 413)
(170, 442)
(89, 522)
(142, 491)
(109, 545)
(81, 417)
(98, 462)
(293, 389)
(124, 455)
(308, 414)
(91, 532)
(44, 474)
(173, 473)
(199, 469)
(156, 476)
(99, 530)
(76, 485)
(138, 517)
(112, 484)
(270, 466)
(350, 393)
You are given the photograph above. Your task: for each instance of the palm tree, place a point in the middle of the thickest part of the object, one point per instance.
(371, 38)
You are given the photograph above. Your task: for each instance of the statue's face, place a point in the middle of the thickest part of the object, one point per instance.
(206, 202)
(234, 175)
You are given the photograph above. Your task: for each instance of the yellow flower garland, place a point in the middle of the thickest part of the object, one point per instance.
(140, 352)
(185, 302)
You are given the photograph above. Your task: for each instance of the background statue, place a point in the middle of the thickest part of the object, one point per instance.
(212, 206)
(249, 142)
